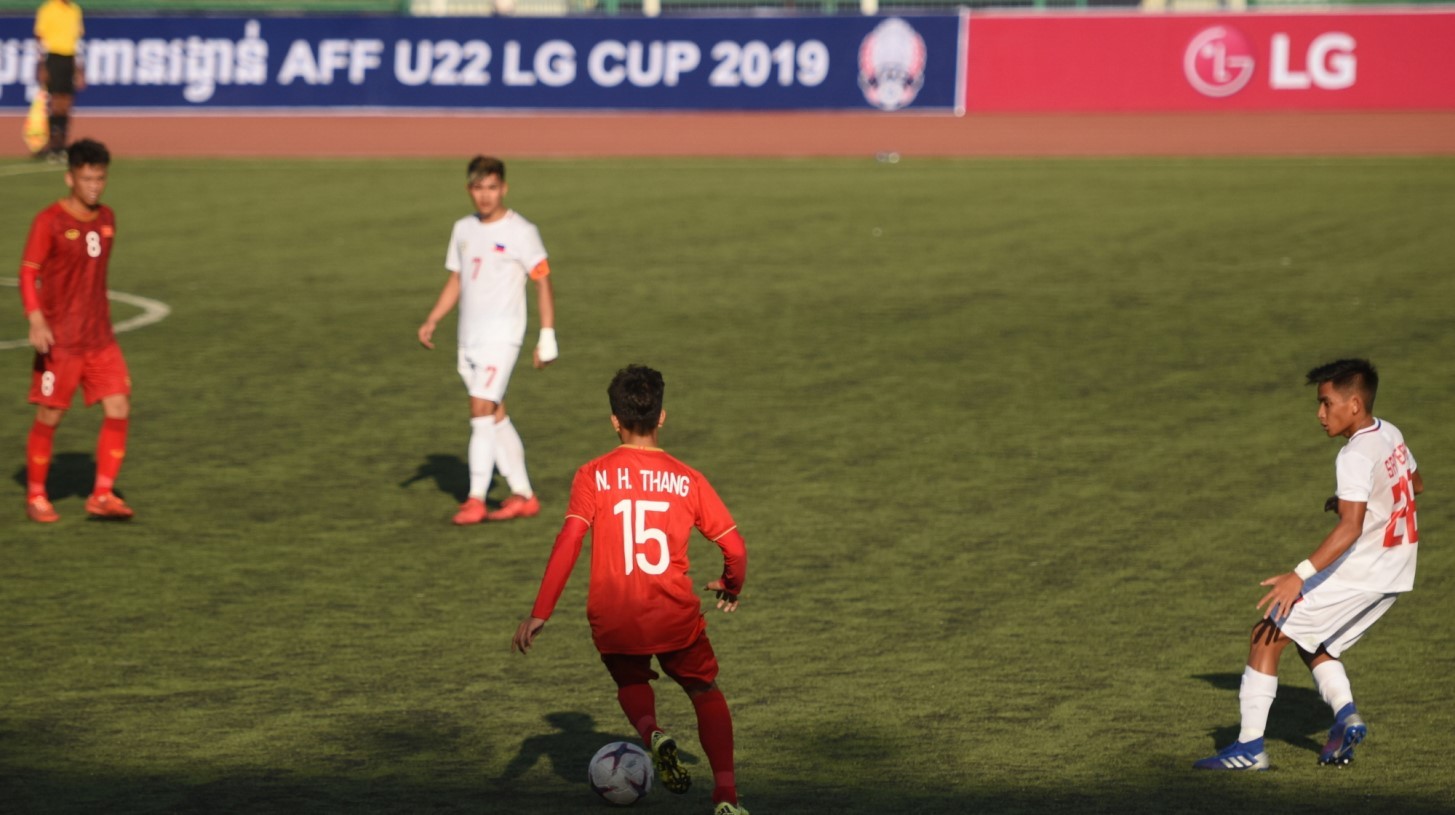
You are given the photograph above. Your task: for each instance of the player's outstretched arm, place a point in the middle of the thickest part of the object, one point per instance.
(727, 601)
(546, 348)
(734, 570)
(1280, 598)
(1285, 588)
(41, 338)
(558, 570)
(525, 634)
(449, 296)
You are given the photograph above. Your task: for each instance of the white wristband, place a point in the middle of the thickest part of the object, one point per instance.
(1305, 570)
(546, 345)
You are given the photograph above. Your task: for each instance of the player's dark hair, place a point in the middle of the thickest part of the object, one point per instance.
(1347, 375)
(482, 167)
(636, 398)
(87, 151)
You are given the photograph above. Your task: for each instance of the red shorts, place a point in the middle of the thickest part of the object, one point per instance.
(694, 665)
(100, 373)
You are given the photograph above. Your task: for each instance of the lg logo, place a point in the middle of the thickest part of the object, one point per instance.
(1330, 64)
(1220, 61)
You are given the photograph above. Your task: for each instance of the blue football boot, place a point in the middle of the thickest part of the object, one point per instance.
(1237, 756)
(1348, 730)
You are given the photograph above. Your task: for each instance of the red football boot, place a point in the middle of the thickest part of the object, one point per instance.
(108, 506)
(471, 512)
(516, 506)
(39, 509)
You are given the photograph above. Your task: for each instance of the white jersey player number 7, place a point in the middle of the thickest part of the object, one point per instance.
(494, 260)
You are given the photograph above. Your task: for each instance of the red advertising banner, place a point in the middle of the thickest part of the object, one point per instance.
(1173, 62)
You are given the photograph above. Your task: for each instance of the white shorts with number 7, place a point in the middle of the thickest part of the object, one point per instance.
(486, 370)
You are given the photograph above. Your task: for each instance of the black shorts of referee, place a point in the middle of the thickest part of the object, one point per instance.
(60, 74)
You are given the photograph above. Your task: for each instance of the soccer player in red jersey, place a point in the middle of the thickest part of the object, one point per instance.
(63, 290)
(640, 505)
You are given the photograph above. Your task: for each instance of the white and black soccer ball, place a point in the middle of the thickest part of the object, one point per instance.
(620, 772)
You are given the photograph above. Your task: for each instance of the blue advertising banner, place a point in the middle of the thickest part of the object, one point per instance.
(220, 63)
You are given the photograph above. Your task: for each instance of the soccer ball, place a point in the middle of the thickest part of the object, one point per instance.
(620, 772)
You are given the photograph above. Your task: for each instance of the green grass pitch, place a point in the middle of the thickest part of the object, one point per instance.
(1011, 443)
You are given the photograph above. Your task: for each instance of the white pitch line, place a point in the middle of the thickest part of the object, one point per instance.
(27, 169)
(152, 311)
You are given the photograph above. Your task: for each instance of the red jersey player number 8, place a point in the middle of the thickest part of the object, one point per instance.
(644, 534)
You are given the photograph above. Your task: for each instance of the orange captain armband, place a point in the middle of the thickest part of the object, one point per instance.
(541, 270)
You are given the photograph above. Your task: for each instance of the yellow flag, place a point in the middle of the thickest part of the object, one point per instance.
(37, 130)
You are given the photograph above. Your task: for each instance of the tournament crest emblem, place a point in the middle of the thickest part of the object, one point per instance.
(892, 65)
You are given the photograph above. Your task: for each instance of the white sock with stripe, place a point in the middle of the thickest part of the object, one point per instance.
(482, 455)
(510, 458)
(1255, 699)
(1333, 684)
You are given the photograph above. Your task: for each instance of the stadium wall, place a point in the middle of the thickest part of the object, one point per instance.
(576, 64)
(1062, 84)
(1376, 60)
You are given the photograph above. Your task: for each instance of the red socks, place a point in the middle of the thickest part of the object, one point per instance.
(715, 730)
(110, 451)
(640, 705)
(38, 458)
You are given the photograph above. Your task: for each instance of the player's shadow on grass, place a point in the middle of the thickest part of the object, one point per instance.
(1296, 713)
(569, 748)
(450, 474)
(71, 476)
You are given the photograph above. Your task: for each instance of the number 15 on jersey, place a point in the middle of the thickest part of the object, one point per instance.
(635, 532)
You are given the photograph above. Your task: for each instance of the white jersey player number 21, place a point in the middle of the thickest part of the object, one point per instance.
(1401, 527)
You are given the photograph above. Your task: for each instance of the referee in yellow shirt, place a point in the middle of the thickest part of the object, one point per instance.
(58, 28)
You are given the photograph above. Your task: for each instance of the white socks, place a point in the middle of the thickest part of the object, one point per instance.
(482, 455)
(496, 446)
(1333, 684)
(1255, 698)
(1255, 695)
(510, 458)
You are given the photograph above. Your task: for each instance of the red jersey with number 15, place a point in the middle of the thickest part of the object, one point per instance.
(70, 256)
(642, 505)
